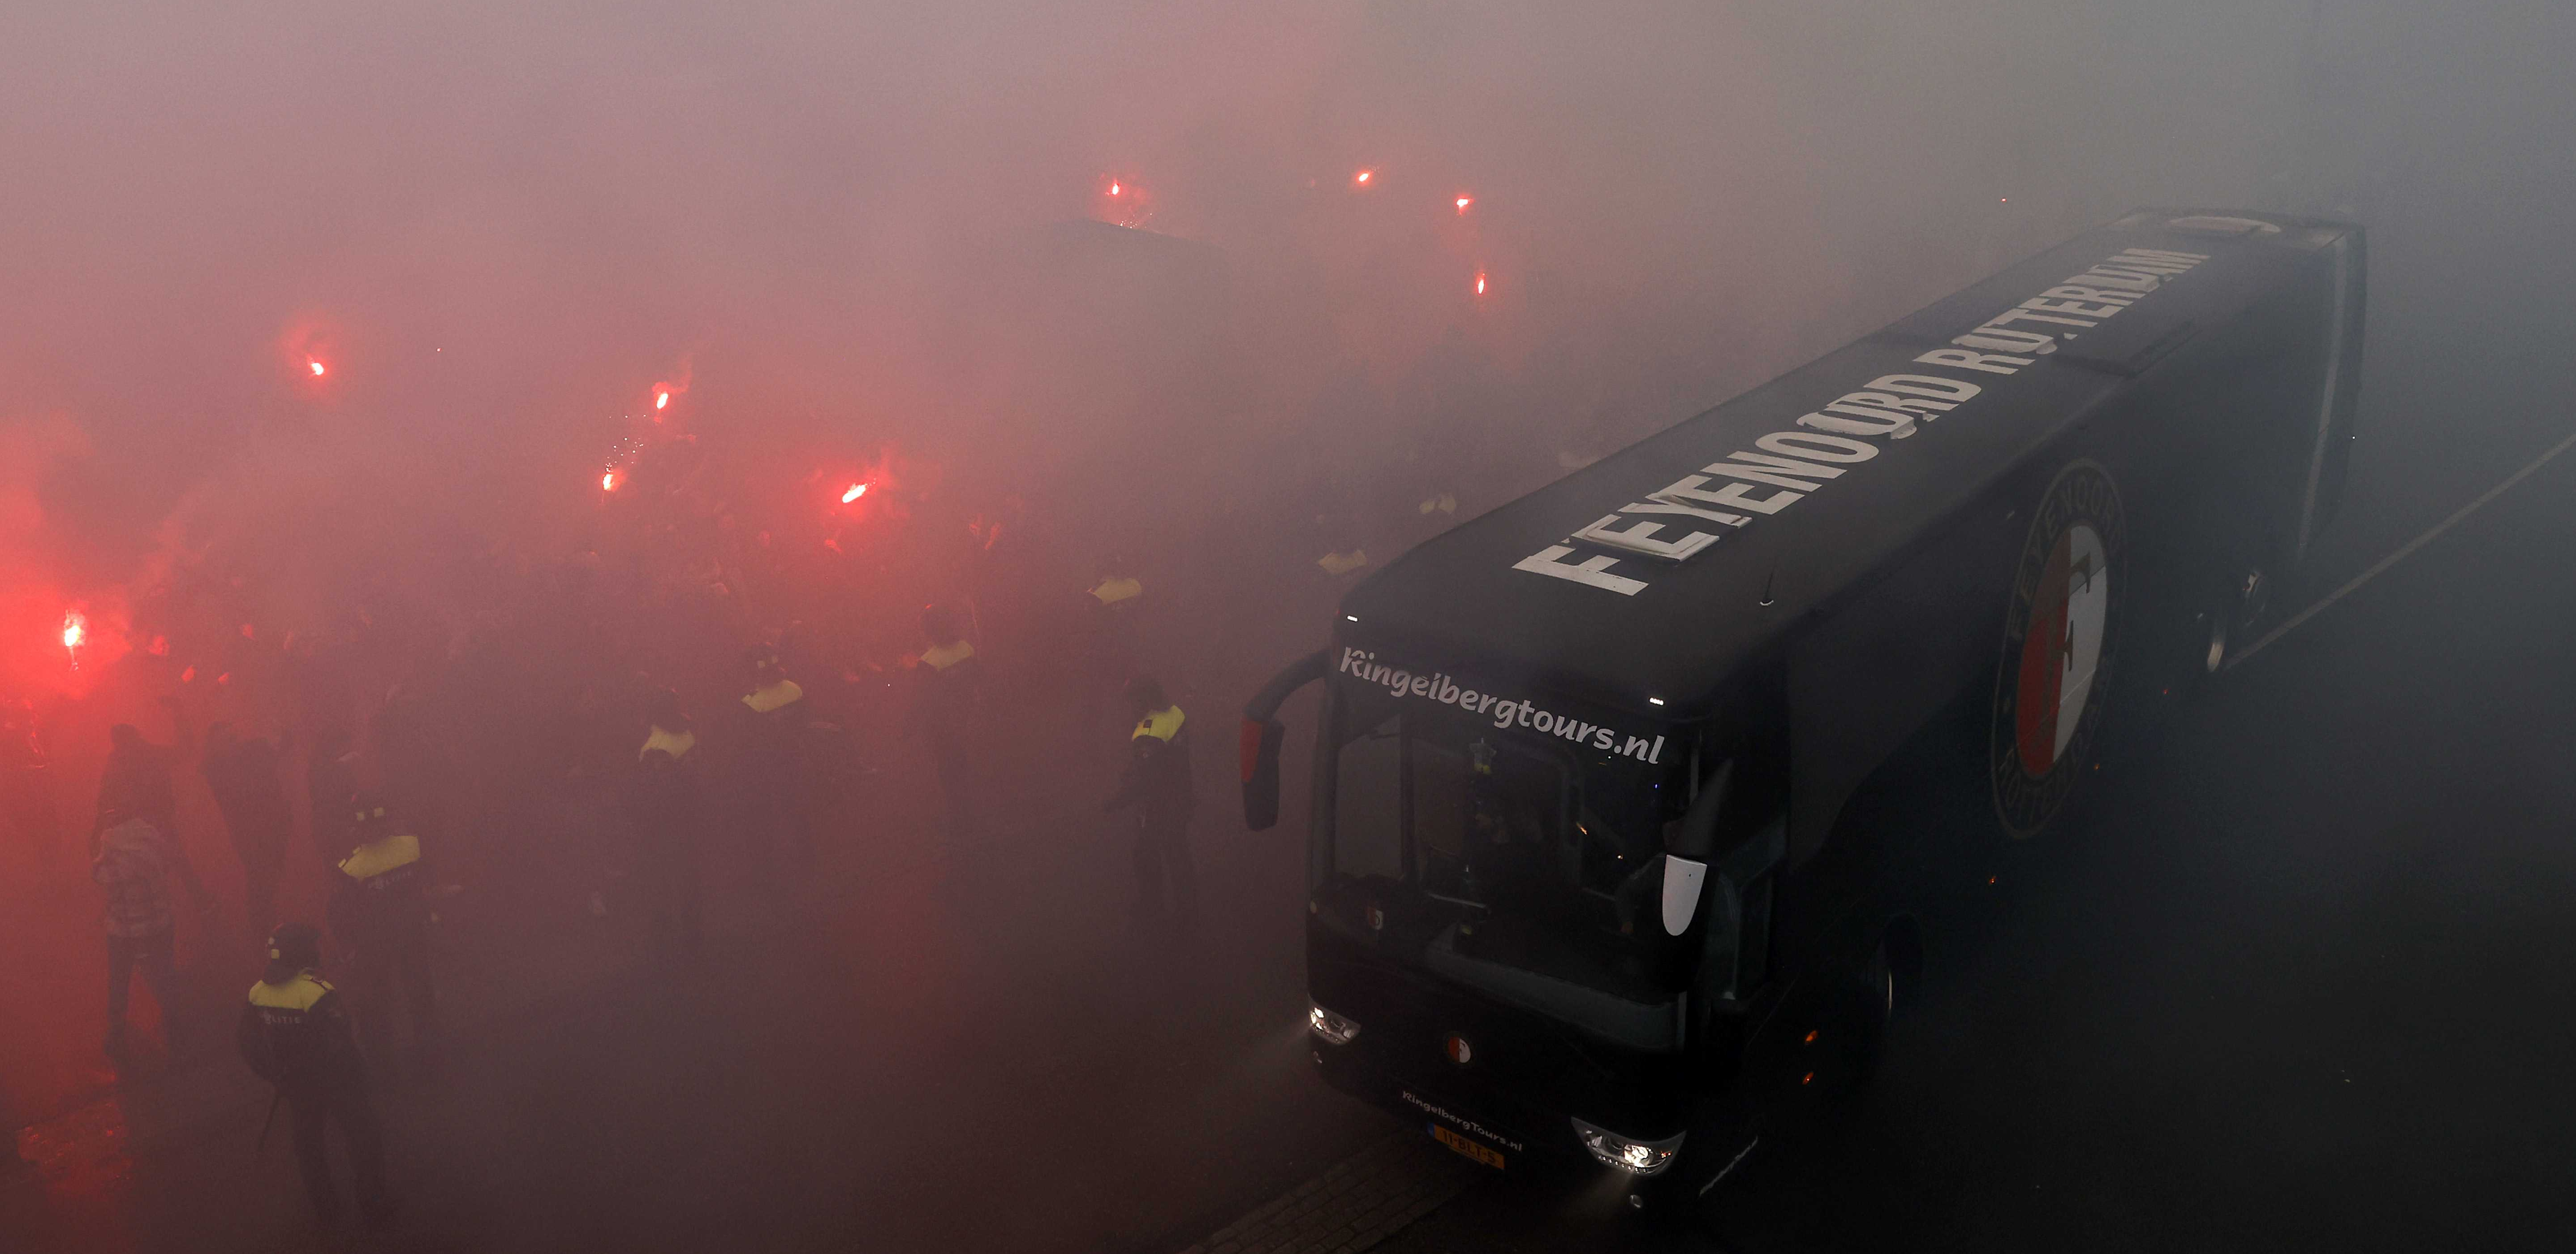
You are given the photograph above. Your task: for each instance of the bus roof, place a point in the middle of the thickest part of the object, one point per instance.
(1652, 574)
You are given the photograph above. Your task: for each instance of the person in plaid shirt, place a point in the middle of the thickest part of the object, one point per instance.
(135, 863)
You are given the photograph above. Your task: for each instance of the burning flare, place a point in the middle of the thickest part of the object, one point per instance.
(1465, 201)
(75, 631)
(1480, 284)
(662, 400)
(317, 368)
(608, 482)
(856, 491)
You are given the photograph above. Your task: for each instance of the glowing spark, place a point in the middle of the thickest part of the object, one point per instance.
(608, 482)
(662, 401)
(1465, 201)
(75, 630)
(856, 491)
(317, 369)
(1480, 284)
(1363, 177)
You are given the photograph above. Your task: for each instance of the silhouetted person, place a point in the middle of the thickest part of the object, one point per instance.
(1157, 786)
(944, 711)
(663, 811)
(331, 785)
(136, 781)
(295, 1034)
(1111, 654)
(242, 775)
(380, 916)
(137, 866)
(776, 779)
(27, 813)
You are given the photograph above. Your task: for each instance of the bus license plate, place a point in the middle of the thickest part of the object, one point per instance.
(1491, 1158)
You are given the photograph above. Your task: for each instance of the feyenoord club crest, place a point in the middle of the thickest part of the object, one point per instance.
(2060, 633)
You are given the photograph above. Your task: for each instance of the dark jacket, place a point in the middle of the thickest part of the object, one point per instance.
(1157, 779)
(137, 781)
(242, 775)
(330, 783)
(381, 893)
(948, 689)
(295, 1033)
(663, 810)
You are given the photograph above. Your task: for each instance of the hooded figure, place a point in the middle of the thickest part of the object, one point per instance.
(136, 782)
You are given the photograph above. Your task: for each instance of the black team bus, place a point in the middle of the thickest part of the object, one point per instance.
(1596, 872)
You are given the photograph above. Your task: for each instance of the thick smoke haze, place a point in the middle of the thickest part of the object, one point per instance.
(502, 228)
(440, 384)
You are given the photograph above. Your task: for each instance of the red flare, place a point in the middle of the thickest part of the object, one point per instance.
(75, 631)
(608, 482)
(856, 491)
(1480, 284)
(662, 400)
(1465, 201)
(317, 368)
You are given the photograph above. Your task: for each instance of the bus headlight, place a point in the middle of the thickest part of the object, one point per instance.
(1643, 1158)
(1330, 1026)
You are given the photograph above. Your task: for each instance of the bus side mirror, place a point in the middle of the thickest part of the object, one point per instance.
(1260, 767)
(1260, 739)
(1686, 850)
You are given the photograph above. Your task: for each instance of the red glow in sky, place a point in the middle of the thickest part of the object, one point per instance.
(1362, 177)
(856, 491)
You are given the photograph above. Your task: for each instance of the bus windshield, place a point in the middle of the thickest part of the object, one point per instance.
(1520, 864)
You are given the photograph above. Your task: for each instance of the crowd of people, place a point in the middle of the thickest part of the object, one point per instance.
(685, 691)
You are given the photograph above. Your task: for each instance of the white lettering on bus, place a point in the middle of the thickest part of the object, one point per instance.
(1853, 427)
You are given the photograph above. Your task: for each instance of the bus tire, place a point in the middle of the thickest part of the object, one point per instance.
(2062, 632)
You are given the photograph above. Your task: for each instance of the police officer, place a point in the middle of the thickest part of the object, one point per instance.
(295, 1034)
(944, 708)
(1112, 608)
(664, 813)
(777, 784)
(1157, 786)
(380, 913)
